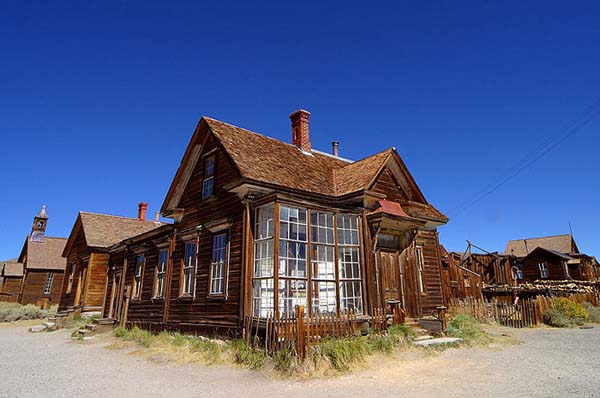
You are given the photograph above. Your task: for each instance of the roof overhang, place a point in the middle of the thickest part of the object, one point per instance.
(390, 217)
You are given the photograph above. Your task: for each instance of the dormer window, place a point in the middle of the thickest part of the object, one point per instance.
(209, 177)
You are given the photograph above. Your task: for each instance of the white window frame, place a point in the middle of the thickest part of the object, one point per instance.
(349, 224)
(263, 283)
(48, 285)
(161, 272)
(208, 181)
(189, 266)
(543, 268)
(138, 275)
(219, 264)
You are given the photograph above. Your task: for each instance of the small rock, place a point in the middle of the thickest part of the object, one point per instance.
(37, 328)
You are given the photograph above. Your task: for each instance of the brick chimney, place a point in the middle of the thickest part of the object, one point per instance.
(142, 207)
(300, 133)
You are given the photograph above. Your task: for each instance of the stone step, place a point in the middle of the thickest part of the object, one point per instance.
(51, 325)
(104, 321)
(91, 327)
(84, 332)
(424, 337)
(438, 341)
(38, 328)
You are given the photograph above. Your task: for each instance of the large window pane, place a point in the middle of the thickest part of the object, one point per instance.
(292, 292)
(351, 296)
(349, 263)
(263, 258)
(263, 296)
(323, 297)
(323, 262)
(292, 258)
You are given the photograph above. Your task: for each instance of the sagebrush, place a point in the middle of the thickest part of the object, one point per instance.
(11, 312)
(565, 313)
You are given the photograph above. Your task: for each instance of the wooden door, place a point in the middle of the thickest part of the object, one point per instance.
(114, 310)
(391, 285)
(410, 292)
(80, 284)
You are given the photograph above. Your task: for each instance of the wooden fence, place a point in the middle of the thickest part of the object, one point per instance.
(301, 332)
(522, 313)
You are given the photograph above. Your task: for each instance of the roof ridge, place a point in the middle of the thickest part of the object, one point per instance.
(388, 150)
(280, 141)
(114, 216)
(541, 237)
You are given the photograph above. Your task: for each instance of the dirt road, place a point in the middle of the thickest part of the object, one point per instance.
(549, 363)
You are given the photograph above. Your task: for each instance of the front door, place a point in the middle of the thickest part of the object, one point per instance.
(114, 310)
(390, 276)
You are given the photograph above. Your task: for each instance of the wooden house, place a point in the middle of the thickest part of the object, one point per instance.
(43, 266)
(458, 281)
(494, 268)
(553, 257)
(262, 226)
(12, 277)
(86, 254)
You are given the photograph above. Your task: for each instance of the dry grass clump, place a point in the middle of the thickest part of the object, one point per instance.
(338, 355)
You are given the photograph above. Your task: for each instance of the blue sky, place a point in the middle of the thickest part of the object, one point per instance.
(98, 101)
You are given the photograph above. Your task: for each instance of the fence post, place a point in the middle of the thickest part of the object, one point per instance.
(300, 347)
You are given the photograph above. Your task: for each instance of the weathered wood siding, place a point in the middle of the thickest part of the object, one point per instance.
(531, 271)
(77, 252)
(386, 184)
(95, 282)
(432, 296)
(10, 289)
(146, 309)
(204, 312)
(34, 284)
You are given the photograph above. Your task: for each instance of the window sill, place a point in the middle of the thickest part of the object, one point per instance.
(217, 297)
(185, 298)
(158, 299)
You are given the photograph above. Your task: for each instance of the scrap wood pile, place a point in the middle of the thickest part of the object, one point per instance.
(548, 287)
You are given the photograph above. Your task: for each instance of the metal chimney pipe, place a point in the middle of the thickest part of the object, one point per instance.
(335, 148)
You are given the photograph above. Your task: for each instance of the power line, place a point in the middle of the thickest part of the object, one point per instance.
(582, 120)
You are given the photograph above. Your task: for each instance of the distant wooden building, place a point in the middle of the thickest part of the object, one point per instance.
(553, 257)
(43, 266)
(458, 281)
(12, 277)
(86, 255)
(262, 226)
(494, 268)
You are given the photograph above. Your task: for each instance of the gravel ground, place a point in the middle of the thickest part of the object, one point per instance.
(549, 363)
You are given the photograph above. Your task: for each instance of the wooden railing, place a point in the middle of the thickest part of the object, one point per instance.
(301, 332)
(522, 313)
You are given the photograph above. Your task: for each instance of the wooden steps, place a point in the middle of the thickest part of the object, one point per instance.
(98, 326)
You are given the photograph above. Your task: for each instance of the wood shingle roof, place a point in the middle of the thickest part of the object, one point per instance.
(268, 161)
(45, 254)
(560, 243)
(103, 230)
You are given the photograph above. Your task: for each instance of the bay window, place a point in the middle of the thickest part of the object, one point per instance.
(303, 268)
(349, 263)
(263, 284)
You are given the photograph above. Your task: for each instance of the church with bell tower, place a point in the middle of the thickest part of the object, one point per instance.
(43, 264)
